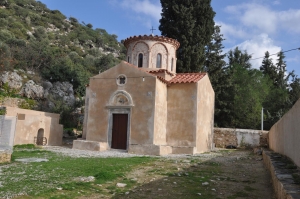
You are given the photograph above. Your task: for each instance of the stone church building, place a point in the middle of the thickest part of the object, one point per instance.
(145, 107)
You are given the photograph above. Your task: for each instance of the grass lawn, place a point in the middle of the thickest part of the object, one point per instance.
(229, 174)
(61, 176)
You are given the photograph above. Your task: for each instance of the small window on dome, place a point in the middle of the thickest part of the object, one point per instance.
(158, 61)
(140, 61)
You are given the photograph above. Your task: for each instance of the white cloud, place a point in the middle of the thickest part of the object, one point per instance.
(143, 7)
(277, 2)
(231, 31)
(289, 20)
(295, 59)
(261, 18)
(257, 47)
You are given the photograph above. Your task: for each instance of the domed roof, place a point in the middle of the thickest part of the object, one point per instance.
(173, 42)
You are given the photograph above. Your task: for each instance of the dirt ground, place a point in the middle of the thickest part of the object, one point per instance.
(230, 174)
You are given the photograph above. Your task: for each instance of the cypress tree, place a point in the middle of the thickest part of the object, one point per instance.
(191, 23)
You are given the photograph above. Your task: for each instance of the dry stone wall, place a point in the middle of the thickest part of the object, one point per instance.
(5, 157)
(240, 137)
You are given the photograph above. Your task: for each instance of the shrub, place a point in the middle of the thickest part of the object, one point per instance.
(2, 110)
(27, 104)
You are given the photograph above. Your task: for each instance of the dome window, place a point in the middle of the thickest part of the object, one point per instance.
(158, 61)
(140, 61)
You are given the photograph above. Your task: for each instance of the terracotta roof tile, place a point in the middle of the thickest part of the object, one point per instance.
(179, 78)
(187, 78)
(163, 80)
(161, 70)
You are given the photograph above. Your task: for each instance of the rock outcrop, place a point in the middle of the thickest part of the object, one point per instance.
(12, 78)
(32, 90)
(60, 90)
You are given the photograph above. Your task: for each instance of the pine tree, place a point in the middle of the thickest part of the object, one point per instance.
(214, 66)
(282, 78)
(191, 23)
(268, 68)
(294, 92)
(280, 99)
(237, 57)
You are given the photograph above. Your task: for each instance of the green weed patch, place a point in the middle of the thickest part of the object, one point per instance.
(60, 176)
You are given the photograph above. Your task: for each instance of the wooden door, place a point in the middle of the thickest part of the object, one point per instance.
(119, 131)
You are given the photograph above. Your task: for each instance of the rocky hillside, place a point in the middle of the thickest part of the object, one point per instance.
(46, 58)
(35, 38)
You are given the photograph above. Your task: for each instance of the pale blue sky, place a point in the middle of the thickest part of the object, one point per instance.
(253, 25)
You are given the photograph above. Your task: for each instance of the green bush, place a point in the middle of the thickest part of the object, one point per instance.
(27, 104)
(5, 35)
(2, 110)
(7, 91)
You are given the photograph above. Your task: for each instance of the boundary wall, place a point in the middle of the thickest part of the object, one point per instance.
(7, 133)
(240, 137)
(284, 136)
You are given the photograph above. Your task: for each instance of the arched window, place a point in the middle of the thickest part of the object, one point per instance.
(172, 62)
(158, 61)
(128, 60)
(140, 61)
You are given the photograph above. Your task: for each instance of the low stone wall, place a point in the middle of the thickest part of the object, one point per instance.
(240, 137)
(5, 157)
(282, 174)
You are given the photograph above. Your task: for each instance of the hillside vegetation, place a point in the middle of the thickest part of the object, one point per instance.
(35, 38)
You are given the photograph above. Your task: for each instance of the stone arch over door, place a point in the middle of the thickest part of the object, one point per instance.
(120, 105)
(120, 98)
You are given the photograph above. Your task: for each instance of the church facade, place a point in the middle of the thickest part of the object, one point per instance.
(143, 106)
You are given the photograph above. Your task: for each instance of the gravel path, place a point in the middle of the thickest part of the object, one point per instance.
(90, 154)
(116, 153)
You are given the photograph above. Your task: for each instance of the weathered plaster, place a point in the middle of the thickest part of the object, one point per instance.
(160, 121)
(284, 136)
(182, 114)
(28, 128)
(205, 115)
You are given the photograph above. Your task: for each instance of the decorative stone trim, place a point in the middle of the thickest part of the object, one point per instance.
(120, 98)
(152, 38)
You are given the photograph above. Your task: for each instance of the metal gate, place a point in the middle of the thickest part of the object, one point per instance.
(7, 132)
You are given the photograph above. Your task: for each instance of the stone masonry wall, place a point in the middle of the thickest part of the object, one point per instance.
(4, 157)
(240, 137)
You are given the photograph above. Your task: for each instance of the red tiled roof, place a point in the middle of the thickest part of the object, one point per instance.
(161, 70)
(187, 78)
(179, 78)
(163, 80)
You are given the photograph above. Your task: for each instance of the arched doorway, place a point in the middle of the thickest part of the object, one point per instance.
(40, 137)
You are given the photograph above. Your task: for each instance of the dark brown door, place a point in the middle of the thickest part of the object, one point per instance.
(119, 131)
